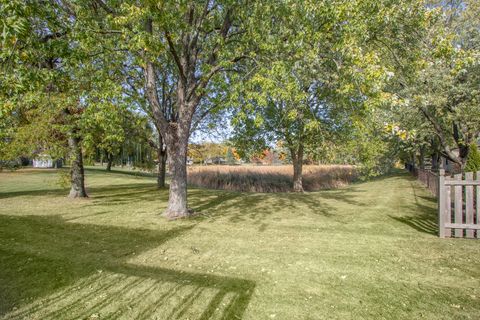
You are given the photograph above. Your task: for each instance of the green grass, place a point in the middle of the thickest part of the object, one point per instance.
(368, 251)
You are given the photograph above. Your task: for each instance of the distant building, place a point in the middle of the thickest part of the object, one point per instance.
(45, 161)
(268, 157)
(215, 160)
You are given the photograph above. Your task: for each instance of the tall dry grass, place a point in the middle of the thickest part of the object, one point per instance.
(270, 178)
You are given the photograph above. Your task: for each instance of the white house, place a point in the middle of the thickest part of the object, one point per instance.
(46, 161)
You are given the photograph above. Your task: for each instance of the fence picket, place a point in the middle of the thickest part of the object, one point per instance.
(448, 208)
(441, 204)
(458, 206)
(469, 204)
(477, 220)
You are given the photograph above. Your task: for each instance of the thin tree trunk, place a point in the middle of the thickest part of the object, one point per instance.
(463, 153)
(435, 161)
(297, 159)
(109, 161)
(422, 158)
(77, 175)
(162, 163)
(463, 145)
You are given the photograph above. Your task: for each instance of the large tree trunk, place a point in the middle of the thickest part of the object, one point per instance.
(177, 144)
(297, 159)
(162, 163)
(77, 175)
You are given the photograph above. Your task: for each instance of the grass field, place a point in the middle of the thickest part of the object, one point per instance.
(366, 251)
(270, 178)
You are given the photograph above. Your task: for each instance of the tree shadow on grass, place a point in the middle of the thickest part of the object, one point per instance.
(122, 172)
(117, 191)
(337, 205)
(39, 192)
(131, 193)
(115, 194)
(346, 195)
(425, 222)
(240, 207)
(425, 217)
(53, 269)
(204, 200)
(258, 206)
(430, 199)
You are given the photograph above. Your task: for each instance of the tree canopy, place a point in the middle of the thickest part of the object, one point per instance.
(362, 82)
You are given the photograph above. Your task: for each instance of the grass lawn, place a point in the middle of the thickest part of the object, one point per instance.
(367, 251)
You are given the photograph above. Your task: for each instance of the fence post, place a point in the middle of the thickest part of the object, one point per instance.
(441, 203)
(469, 204)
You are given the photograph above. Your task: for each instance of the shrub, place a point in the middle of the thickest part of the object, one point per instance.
(10, 164)
(270, 178)
(473, 159)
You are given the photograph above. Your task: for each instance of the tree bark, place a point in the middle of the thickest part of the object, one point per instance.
(77, 174)
(463, 145)
(162, 163)
(442, 137)
(435, 161)
(422, 157)
(109, 161)
(191, 84)
(177, 145)
(297, 159)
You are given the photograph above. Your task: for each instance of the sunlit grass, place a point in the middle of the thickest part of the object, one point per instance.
(364, 251)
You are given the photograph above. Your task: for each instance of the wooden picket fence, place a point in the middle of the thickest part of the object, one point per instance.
(429, 179)
(459, 205)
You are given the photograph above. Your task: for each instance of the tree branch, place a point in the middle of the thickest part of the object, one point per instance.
(175, 55)
(151, 87)
(443, 140)
(104, 6)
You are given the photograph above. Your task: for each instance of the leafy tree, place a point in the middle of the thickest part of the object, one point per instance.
(229, 156)
(473, 160)
(54, 70)
(200, 152)
(187, 46)
(316, 80)
(37, 86)
(436, 97)
(109, 126)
